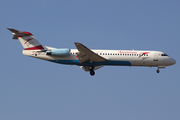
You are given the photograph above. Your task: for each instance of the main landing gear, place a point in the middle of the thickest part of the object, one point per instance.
(91, 69)
(158, 70)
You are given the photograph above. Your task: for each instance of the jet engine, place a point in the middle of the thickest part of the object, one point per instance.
(59, 52)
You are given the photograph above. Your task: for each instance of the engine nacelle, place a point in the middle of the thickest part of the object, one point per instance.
(59, 52)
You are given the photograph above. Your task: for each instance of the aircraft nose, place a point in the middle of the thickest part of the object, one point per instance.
(171, 61)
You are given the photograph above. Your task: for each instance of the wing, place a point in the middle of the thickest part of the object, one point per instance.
(86, 54)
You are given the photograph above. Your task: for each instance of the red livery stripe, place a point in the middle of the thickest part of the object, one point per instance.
(40, 47)
(28, 40)
(28, 33)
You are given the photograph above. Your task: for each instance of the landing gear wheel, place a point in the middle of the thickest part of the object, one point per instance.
(92, 72)
(158, 71)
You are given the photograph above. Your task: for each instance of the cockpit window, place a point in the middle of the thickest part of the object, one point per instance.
(164, 55)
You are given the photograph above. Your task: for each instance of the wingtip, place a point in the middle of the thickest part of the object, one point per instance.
(77, 43)
(9, 29)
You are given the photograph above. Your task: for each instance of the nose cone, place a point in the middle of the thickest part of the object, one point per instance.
(171, 61)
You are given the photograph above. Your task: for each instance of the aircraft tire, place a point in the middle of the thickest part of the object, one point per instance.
(92, 72)
(158, 71)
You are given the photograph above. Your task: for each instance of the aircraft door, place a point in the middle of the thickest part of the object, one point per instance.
(155, 57)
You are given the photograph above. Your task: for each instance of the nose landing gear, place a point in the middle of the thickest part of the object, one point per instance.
(158, 71)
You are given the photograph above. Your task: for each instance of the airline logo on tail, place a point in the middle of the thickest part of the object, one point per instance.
(27, 40)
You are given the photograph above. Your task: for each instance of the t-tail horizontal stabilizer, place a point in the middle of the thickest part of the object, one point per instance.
(16, 33)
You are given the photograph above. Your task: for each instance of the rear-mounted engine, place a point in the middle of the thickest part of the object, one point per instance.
(59, 52)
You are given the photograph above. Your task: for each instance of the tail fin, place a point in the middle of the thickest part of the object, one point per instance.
(27, 40)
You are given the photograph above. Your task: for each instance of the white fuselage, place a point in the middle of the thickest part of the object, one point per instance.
(114, 57)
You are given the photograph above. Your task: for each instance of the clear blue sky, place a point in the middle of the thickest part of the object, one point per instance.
(32, 89)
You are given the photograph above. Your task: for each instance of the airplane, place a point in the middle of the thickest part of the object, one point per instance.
(90, 60)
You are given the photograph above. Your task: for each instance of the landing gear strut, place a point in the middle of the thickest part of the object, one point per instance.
(158, 71)
(91, 69)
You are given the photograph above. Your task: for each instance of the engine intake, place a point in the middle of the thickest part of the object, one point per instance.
(59, 52)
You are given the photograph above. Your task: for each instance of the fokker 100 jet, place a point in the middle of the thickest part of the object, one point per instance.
(91, 59)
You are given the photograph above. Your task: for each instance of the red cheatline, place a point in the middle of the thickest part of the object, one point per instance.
(28, 40)
(40, 47)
